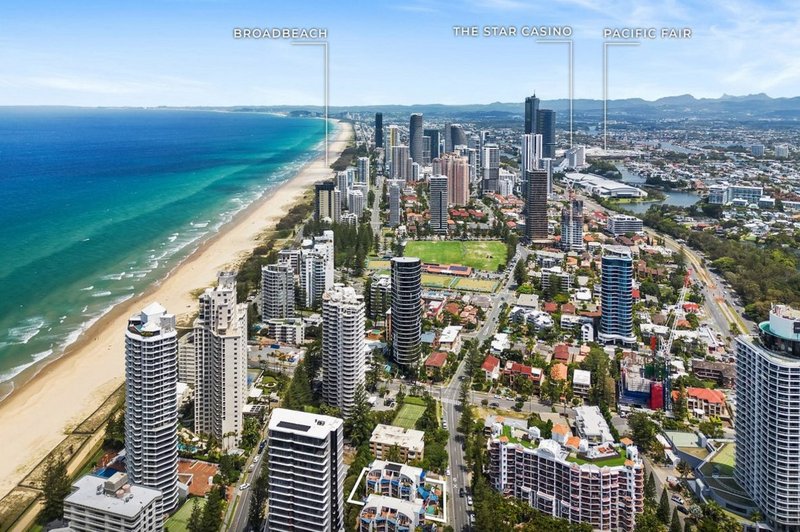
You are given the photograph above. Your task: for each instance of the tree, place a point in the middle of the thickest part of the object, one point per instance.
(359, 424)
(258, 501)
(393, 454)
(684, 469)
(299, 393)
(675, 523)
(663, 507)
(643, 430)
(679, 407)
(195, 520)
(520, 273)
(56, 487)
(115, 431)
(650, 488)
(212, 512)
(647, 521)
(712, 428)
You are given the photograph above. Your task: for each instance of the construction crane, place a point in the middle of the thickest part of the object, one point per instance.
(665, 349)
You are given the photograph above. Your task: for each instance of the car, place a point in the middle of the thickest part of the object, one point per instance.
(677, 499)
(252, 466)
(256, 459)
(497, 397)
(444, 423)
(448, 472)
(469, 500)
(244, 486)
(494, 405)
(461, 492)
(682, 509)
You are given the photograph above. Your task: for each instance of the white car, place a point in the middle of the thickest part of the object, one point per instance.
(256, 458)
(244, 486)
(469, 500)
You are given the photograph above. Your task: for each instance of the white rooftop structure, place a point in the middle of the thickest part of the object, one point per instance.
(594, 184)
(112, 504)
(582, 377)
(402, 437)
(449, 334)
(591, 425)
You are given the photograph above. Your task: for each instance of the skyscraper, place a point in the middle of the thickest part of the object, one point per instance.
(151, 402)
(456, 169)
(546, 127)
(536, 206)
(379, 130)
(277, 291)
(401, 163)
(768, 417)
(395, 201)
(616, 320)
(435, 137)
(426, 150)
(306, 472)
(220, 337)
(531, 110)
(438, 203)
(363, 170)
(572, 226)
(406, 322)
(343, 320)
(316, 269)
(531, 151)
(356, 201)
(327, 201)
(491, 168)
(415, 137)
(458, 136)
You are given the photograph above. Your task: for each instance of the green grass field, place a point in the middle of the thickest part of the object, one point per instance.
(379, 264)
(180, 519)
(476, 285)
(436, 281)
(408, 415)
(481, 255)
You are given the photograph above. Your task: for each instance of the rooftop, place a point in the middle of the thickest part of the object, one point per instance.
(407, 438)
(90, 491)
(303, 423)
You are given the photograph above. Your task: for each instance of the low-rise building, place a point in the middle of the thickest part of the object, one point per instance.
(581, 382)
(720, 372)
(410, 442)
(114, 505)
(391, 479)
(491, 367)
(591, 425)
(703, 401)
(387, 514)
(450, 339)
(287, 330)
(435, 362)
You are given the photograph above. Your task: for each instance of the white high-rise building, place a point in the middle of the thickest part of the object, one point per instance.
(343, 322)
(768, 418)
(187, 360)
(343, 183)
(438, 203)
(151, 402)
(621, 224)
(316, 269)
(277, 291)
(490, 161)
(355, 201)
(395, 200)
(531, 152)
(220, 333)
(306, 472)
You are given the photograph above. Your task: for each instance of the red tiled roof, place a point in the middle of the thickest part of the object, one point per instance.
(561, 352)
(568, 308)
(550, 306)
(437, 359)
(490, 363)
(706, 394)
(558, 372)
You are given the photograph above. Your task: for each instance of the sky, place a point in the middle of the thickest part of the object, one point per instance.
(182, 52)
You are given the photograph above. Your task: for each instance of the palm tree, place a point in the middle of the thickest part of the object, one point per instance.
(684, 469)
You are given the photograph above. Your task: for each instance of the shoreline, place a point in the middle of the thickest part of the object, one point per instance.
(58, 394)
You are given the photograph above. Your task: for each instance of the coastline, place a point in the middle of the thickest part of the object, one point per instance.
(57, 395)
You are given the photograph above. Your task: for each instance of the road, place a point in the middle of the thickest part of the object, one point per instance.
(459, 475)
(240, 502)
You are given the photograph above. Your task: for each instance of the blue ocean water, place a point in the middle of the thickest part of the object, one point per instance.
(96, 204)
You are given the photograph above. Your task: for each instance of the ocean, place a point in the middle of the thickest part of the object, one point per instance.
(97, 204)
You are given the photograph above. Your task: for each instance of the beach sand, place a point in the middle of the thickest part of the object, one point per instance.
(35, 417)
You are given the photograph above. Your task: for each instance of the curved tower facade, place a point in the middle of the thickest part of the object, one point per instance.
(151, 402)
(406, 322)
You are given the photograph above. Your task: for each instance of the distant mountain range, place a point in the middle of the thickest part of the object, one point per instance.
(752, 106)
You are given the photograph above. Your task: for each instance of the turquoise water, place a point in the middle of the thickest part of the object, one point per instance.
(97, 204)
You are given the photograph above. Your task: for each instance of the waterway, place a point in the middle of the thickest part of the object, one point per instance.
(677, 198)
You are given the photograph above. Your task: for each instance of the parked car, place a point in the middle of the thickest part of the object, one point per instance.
(461, 492)
(469, 500)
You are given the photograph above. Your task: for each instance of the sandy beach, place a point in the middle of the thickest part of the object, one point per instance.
(34, 418)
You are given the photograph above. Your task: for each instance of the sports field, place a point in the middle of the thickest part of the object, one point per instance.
(482, 255)
(476, 285)
(408, 415)
(436, 281)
